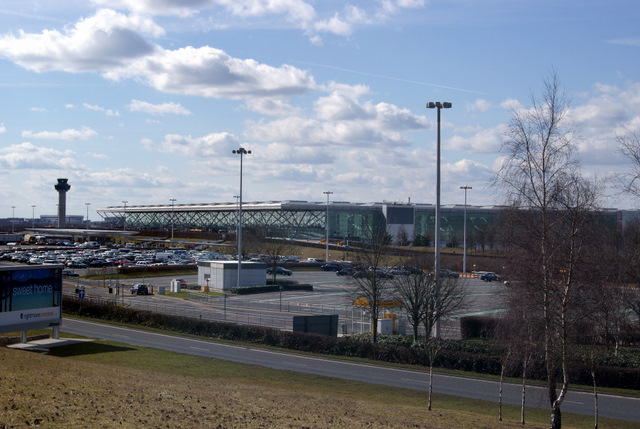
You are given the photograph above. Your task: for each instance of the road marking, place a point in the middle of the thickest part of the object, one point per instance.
(199, 348)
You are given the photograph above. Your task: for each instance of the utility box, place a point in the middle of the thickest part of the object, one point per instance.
(223, 275)
(385, 326)
(325, 324)
(175, 285)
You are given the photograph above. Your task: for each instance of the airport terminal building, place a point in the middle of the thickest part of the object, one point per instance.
(346, 221)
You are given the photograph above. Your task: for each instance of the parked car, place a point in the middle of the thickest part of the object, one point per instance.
(345, 271)
(331, 266)
(279, 271)
(139, 289)
(489, 277)
(448, 273)
(70, 273)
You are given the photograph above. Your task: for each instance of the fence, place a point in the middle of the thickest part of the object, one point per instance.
(241, 311)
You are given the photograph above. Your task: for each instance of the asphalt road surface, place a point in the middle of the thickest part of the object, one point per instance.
(612, 406)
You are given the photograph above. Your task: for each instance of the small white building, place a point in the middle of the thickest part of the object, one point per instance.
(223, 275)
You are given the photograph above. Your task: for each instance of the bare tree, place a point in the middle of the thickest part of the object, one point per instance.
(426, 304)
(551, 204)
(630, 148)
(372, 283)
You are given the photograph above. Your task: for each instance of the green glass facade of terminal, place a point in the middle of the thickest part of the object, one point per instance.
(307, 220)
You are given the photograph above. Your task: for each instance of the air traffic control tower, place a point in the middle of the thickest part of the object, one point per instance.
(62, 187)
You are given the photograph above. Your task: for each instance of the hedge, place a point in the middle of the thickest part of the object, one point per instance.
(464, 355)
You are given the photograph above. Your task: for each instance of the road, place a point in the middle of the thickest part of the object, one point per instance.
(612, 406)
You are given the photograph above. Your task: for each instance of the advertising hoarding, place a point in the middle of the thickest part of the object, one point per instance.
(30, 297)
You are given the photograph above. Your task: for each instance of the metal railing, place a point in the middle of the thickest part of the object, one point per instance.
(241, 311)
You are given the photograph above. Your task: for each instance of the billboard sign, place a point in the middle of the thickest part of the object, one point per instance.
(30, 297)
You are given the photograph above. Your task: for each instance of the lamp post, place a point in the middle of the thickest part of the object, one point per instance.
(173, 200)
(464, 240)
(124, 217)
(237, 197)
(87, 204)
(13, 218)
(33, 216)
(240, 151)
(326, 255)
(437, 105)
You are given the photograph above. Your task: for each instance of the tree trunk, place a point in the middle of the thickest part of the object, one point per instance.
(556, 418)
(500, 394)
(524, 391)
(595, 398)
(430, 385)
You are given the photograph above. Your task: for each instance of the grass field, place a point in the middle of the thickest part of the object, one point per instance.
(105, 385)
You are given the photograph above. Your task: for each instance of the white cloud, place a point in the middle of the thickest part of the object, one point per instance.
(210, 72)
(271, 107)
(342, 120)
(211, 145)
(631, 41)
(95, 108)
(69, 134)
(479, 105)
(27, 155)
(294, 10)
(511, 104)
(127, 178)
(158, 109)
(3, 129)
(482, 141)
(102, 42)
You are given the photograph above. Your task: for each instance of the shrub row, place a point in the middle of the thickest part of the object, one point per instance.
(464, 355)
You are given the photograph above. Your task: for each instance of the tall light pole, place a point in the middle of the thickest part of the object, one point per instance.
(87, 204)
(13, 218)
(464, 240)
(326, 255)
(437, 105)
(33, 215)
(173, 200)
(124, 217)
(237, 197)
(240, 151)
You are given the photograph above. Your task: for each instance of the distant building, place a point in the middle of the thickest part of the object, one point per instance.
(407, 222)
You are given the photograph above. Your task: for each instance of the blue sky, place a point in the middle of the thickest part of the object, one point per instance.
(144, 100)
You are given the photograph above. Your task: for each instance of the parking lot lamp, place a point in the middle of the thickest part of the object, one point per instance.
(240, 151)
(87, 204)
(437, 105)
(464, 240)
(13, 218)
(326, 255)
(124, 217)
(33, 216)
(173, 200)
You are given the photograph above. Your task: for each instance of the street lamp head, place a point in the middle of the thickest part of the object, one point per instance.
(241, 151)
(439, 105)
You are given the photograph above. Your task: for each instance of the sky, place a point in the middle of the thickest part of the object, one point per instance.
(144, 101)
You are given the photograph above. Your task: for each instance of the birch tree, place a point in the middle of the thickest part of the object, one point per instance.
(551, 204)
